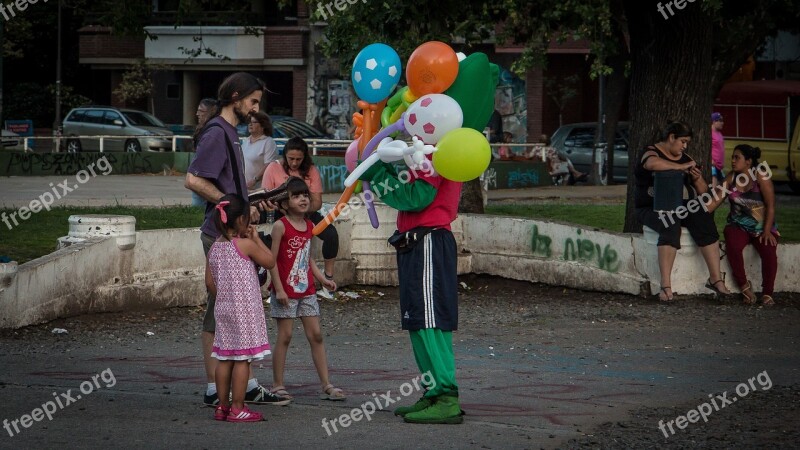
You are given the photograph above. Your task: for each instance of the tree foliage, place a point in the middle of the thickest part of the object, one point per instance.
(690, 52)
(137, 82)
(31, 101)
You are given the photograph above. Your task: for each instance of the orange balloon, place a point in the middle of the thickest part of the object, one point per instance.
(431, 69)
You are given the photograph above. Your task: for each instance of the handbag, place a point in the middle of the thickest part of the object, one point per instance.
(405, 242)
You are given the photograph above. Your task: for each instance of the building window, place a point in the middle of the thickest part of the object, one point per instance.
(173, 91)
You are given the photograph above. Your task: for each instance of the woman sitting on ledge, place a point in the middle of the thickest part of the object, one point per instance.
(668, 154)
(751, 221)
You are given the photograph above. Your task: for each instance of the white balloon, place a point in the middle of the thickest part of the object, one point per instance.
(432, 116)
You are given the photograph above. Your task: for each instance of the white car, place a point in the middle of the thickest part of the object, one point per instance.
(13, 141)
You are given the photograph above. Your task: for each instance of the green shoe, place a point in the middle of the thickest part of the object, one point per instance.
(421, 404)
(445, 410)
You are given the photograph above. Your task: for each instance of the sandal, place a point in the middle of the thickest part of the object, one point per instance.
(767, 300)
(748, 299)
(713, 286)
(668, 297)
(280, 391)
(330, 392)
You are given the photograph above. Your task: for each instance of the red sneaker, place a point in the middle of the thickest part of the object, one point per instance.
(221, 413)
(244, 415)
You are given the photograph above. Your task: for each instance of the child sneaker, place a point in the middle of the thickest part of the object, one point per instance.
(244, 415)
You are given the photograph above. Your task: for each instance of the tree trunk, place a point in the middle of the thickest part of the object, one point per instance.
(616, 84)
(471, 197)
(673, 79)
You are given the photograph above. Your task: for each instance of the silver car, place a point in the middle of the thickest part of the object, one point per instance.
(13, 141)
(136, 130)
(576, 141)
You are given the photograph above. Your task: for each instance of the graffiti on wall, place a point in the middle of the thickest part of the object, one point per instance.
(333, 177)
(72, 163)
(331, 102)
(523, 177)
(588, 251)
(510, 102)
(577, 248)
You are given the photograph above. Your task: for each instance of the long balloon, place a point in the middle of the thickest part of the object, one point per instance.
(368, 157)
(369, 126)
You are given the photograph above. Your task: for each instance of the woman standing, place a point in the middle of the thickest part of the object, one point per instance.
(668, 154)
(296, 162)
(259, 149)
(751, 221)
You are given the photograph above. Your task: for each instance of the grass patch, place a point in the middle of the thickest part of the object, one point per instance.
(612, 217)
(39, 235)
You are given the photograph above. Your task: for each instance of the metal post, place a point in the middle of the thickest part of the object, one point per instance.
(2, 31)
(57, 123)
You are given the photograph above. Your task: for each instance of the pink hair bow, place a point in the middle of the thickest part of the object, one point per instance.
(221, 207)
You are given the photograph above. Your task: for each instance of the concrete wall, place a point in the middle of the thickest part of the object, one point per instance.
(165, 267)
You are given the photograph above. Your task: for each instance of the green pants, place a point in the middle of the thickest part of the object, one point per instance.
(433, 350)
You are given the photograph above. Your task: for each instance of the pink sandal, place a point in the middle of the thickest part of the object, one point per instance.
(244, 415)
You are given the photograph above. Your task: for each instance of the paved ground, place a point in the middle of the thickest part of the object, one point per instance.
(158, 190)
(167, 190)
(538, 366)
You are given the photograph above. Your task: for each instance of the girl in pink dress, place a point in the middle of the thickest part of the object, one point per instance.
(241, 330)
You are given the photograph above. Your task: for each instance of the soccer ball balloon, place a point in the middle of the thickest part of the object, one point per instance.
(432, 116)
(376, 72)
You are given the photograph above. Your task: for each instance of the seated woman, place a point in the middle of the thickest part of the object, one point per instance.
(751, 221)
(505, 150)
(668, 154)
(559, 165)
(296, 161)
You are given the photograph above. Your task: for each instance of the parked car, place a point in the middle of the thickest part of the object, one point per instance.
(285, 127)
(576, 141)
(128, 124)
(288, 127)
(12, 141)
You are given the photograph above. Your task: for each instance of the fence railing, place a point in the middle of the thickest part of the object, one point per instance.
(316, 146)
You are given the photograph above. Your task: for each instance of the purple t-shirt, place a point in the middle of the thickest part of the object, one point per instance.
(212, 163)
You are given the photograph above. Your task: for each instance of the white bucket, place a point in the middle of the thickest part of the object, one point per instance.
(82, 227)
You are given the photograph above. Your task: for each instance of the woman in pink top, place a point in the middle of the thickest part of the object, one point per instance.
(297, 162)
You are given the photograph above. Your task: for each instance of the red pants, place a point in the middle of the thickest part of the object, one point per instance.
(736, 239)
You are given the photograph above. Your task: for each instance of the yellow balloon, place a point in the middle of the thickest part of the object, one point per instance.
(462, 155)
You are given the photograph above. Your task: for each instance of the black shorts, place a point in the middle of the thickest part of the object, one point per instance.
(700, 225)
(429, 283)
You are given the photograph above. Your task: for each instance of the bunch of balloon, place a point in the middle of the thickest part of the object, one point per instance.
(444, 108)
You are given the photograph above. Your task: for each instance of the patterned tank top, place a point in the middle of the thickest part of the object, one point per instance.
(294, 260)
(748, 211)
